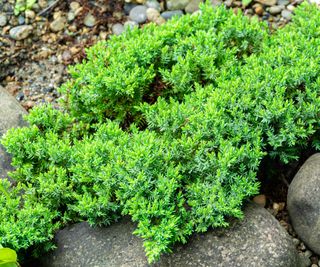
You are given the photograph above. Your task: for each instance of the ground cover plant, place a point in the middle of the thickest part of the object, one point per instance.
(168, 125)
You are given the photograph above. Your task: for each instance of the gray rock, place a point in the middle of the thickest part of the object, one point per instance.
(128, 7)
(286, 14)
(3, 20)
(274, 10)
(193, 6)
(258, 240)
(21, 20)
(177, 4)
(304, 203)
(89, 20)
(170, 14)
(283, 2)
(138, 14)
(11, 115)
(130, 24)
(153, 4)
(58, 24)
(117, 28)
(20, 32)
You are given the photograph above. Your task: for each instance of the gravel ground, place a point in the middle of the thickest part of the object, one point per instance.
(37, 45)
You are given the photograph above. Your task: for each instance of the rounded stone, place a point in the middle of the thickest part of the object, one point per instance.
(130, 24)
(138, 14)
(286, 14)
(177, 4)
(3, 20)
(20, 32)
(117, 29)
(153, 4)
(274, 10)
(58, 24)
(152, 14)
(193, 6)
(89, 20)
(304, 203)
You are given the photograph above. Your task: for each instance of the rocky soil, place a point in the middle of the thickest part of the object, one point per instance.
(36, 45)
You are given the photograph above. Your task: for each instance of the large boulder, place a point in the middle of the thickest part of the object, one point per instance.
(304, 203)
(258, 240)
(11, 115)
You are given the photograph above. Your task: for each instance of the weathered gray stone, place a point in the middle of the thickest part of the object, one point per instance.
(170, 14)
(11, 115)
(258, 240)
(304, 203)
(177, 4)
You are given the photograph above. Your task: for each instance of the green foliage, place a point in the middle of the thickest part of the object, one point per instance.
(23, 5)
(8, 257)
(168, 125)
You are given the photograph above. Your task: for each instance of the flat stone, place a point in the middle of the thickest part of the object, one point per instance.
(258, 239)
(138, 14)
(274, 10)
(170, 14)
(177, 4)
(11, 115)
(20, 32)
(267, 2)
(304, 203)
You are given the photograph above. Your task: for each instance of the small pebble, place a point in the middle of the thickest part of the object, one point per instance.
(74, 6)
(286, 14)
(21, 20)
(138, 14)
(58, 24)
(117, 28)
(153, 4)
(128, 7)
(20, 32)
(20, 96)
(130, 24)
(291, 7)
(314, 265)
(170, 14)
(307, 253)
(30, 14)
(89, 20)
(283, 2)
(193, 6)
(296, 241)
(260, 200)
(274, 10)
(152, 14)
(3, 20)
(258, 9)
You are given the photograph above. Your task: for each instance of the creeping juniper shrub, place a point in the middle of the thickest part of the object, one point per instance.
(216, 94)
